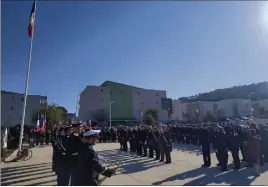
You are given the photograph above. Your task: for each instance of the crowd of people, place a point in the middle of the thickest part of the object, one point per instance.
(39, 137)
(74, 159)
(153, 141)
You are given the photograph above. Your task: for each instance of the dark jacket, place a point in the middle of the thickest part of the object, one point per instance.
(252, 149)
(89, 166)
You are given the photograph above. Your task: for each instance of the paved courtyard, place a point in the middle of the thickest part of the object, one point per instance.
(184, 170)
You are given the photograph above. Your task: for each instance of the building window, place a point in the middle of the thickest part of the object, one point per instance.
(12, 108)
(102, 110)
(157, 103)
(101, 100)
(101, 90)
(157, 94)
(111, 93)
(121, 91)
(138, 93)
(141, 103)
(21, 99)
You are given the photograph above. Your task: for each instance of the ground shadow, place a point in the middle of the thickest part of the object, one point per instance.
(211, 176)
(16, 175)
(190, 148)
(129, 163)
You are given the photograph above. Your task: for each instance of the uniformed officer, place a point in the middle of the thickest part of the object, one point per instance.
(73, 147)
(233, 145)
(149, 142)
(168, 147)
(89, 167)
(125, 139)
(222, 148)
(155, 143)
(60, 159)
(204, 142)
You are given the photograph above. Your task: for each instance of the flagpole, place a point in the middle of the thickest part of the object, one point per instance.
(26, 85)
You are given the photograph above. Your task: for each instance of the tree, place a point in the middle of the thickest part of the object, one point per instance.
(152, 112)
(148, 119)
(54, 114)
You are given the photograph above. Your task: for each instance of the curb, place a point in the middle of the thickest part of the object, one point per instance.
(11, 155)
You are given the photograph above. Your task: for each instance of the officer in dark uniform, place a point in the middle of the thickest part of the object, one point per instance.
(138, 141)
(55, 137)
(149, 142)
(125, 139)
(131, 140)
(164, 146)
(168, 147)
(89, 167)
(144, 141)
(113, 135)
(73, 147)
(120, 137)
(60, 159)
(204, 142)
(42, 137)
(233, 145)
(222, 148)
(155, 143)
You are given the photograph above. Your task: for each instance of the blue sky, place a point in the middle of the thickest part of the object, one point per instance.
(183, 47)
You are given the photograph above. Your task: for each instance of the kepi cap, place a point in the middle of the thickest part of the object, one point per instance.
(91, 133)
(78, 124)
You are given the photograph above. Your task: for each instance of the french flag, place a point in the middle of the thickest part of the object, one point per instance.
(32, 19)
(44, 124)
(89, 124)
(37, 127)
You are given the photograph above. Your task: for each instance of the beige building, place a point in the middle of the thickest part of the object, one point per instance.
(260, 108)
(223, 108)
(11, 107)
(234, 108)
(198, 110)
(179, 110)
(94, 102)
(143, 99)
(127, 102)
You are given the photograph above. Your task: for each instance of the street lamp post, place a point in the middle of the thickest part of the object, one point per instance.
(141, 117)
(111, 102)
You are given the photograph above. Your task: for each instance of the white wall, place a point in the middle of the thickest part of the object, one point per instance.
(143, 99)
(263, 104)
(205, 107)
(226, 106)
(244, 107)
(92, 99)
(11, 108)
(178, 109)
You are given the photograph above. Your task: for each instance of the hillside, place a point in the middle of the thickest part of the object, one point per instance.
(257, 91)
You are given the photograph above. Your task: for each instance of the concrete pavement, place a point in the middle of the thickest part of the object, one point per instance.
(184, 170)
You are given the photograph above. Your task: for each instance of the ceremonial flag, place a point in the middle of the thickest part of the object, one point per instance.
(44, 124)
(89, 124)
(30, 33)
(37, 128)
(32, 19)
